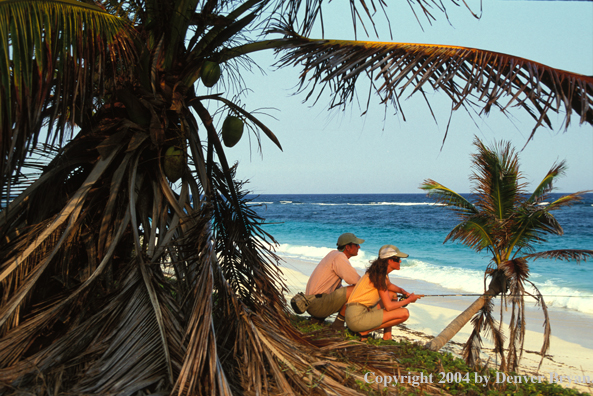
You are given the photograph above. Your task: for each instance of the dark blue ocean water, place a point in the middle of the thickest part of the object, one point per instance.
(307, 227)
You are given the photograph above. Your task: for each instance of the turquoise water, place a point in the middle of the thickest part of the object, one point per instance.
(307, 227)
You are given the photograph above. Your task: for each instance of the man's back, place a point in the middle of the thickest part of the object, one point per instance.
(329, 273)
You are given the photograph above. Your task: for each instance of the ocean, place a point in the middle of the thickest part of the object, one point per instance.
(307, 226)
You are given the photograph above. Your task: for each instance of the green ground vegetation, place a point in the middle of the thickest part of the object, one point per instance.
(450, 374)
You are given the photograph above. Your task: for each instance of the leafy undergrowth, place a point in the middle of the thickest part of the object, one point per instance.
(403, 368)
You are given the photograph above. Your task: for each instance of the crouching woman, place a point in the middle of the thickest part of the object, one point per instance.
(373, 303)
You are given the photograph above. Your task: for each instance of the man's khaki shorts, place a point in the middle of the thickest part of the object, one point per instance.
(361, 318)
(327, 304)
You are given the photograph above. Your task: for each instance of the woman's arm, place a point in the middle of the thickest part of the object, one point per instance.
(396, 289)
(390, 304)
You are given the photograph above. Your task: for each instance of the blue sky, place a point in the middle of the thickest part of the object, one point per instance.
(343, 152)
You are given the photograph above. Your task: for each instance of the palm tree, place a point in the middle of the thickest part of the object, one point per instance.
(130, 259)
(507, 223)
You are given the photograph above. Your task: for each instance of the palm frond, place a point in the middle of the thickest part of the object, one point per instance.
(448, 197)
(577, 255)
(547, 328)
(43, 69)
(516, 272)
(516, 332)
(201, 366)
(470, 77)
(176, 27)
(547, 184)
(70, 212)
(496, 175)
(530, 226)
(482, 321)
(566, 200)
(249, 115)
(129, 343)
(476, 233)
(313, 11)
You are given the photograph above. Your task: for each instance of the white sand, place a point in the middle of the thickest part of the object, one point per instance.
(571, 345)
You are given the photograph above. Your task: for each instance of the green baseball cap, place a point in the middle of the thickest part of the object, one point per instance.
(347, 238)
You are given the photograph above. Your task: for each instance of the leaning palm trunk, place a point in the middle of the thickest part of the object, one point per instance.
(497, 285)
(482, 303)
(457, 324)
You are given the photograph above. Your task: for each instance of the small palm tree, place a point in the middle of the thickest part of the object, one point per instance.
(508, 223)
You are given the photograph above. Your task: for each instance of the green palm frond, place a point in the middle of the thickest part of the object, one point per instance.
(577, 255)
(566, 200)
(177, 26)
(547, 184)
(245, 263)
(56, 57)
(448, 197)
(470, 77)
(496, 175)
(476, 233)
(530, 226)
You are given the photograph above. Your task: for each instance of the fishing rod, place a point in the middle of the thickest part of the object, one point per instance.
(401, 297)
(506, 295)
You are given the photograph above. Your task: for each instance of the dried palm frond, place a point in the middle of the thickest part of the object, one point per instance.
(547, 328)
(483, 321)
(516, 272)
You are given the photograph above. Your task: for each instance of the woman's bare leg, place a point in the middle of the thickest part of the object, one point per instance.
(390, 318)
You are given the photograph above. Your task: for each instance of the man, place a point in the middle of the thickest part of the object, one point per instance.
(325, 282)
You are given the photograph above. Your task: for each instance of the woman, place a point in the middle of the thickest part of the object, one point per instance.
(374, 288)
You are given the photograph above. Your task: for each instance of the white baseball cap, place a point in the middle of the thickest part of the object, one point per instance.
(388, 251)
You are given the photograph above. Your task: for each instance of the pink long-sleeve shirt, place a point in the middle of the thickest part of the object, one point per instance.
(329, 273)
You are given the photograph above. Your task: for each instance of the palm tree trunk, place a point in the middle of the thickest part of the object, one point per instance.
(457, 324)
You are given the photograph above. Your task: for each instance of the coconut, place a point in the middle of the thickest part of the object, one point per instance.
(232, 130)
(210, 73)
(173, 163)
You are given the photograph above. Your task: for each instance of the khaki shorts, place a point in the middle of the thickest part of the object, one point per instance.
(328, 304)
(362, 318)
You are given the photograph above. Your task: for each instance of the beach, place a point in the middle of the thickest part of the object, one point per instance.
(306, 227)
(569, 360)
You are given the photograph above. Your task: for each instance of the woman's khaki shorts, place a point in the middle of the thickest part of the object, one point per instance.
(361, 318)
(328, 304)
